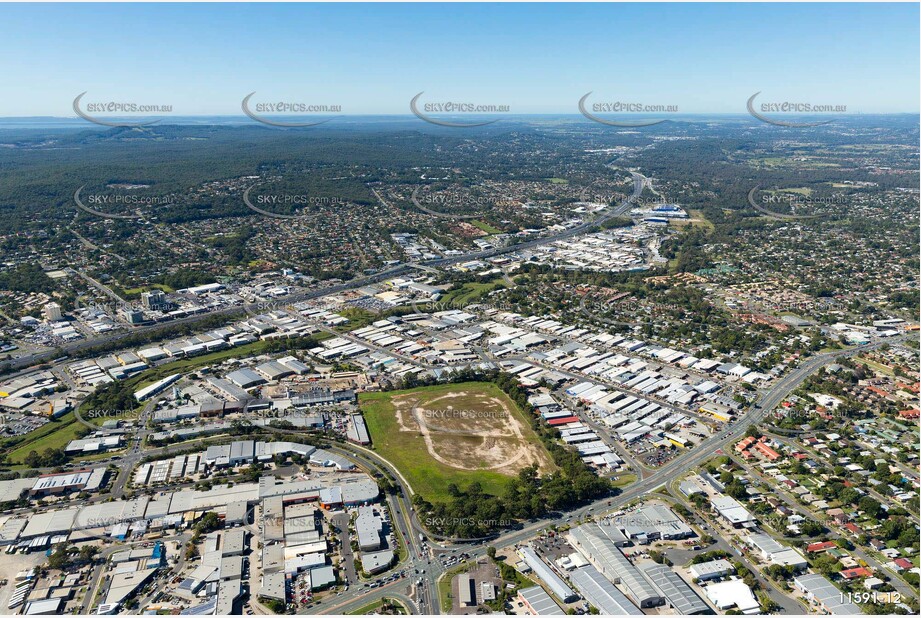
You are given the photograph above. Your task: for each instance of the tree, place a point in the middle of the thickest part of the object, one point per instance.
(737, 490)
(59, 558)
(869, 506)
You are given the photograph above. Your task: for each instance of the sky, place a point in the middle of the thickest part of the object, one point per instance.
(202, 59)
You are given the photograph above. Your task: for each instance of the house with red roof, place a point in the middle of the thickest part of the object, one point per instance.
(766, 451)
(903, 563)
(856, 573)
(853, 529)
(744, 444)
(877, 391)
(817, 548)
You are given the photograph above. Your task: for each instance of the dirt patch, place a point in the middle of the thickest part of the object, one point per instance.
(470, 431)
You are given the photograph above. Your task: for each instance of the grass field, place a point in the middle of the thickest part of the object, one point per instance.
(485, 227)
(140, 290)
(435, 451)
(55, 434)
(697, 218)
(624, 480)
(470, 293)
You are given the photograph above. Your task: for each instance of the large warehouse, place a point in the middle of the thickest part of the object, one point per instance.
(601, 593)
(595, 545)
(677, 591)
(545, 573)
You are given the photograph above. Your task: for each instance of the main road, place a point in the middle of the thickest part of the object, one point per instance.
(768, 400)
(639, 182)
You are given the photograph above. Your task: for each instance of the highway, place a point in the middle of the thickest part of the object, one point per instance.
(84, 344)
(768, 400)
(424, 558)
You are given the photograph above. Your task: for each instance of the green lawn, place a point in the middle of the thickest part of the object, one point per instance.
(408, 453)
(55, 434)
(623, 480)
(485, 227)
(140, 290)
(469, 293)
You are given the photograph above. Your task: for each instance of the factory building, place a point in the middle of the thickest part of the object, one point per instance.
(601, 551)
(545, 573)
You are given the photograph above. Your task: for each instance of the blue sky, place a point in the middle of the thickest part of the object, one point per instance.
(536, 58)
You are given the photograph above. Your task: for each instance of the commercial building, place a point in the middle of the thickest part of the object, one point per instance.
(155, 300)
(817, 589)
(733, 594)
(775, 553)
(601, 593)
(89, 446)
(601, 551)
(545, 573)
(465, 590)
(52, 312)
(733, 512)
(677, 591)
(714, 569)
(539, 603)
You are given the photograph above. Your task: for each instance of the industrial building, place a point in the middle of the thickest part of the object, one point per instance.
(677, 591)
(539, 603)
(547, 575)
(713, 569)
(598, 548)
(601, 593)
(369, 528)
(733, 594)
(825, 595)
(652, 522)
(81, 480)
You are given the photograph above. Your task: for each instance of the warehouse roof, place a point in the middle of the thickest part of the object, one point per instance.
(824, 592)
(679, 594)
(601, 593)
(540, 602)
